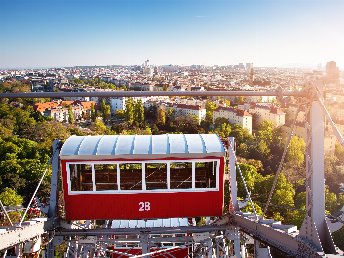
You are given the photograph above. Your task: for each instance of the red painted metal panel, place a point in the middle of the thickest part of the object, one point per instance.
(127, 205)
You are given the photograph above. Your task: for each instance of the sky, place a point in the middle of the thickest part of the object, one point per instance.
(54, 33)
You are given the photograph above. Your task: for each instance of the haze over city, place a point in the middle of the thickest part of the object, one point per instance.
(268, 33)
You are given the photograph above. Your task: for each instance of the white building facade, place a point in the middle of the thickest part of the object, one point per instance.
(190, 110)
(268, 113)
(234, 116)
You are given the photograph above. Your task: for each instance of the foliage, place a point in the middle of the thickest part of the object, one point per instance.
(210, 107)
(248, 208)
(93, 113)
(184, 124)
(161, 119)
(295, 159)
(99, 83)
(251, 177)
(70, 115)
(99, 127)
(105, 110)
(339, 153)
(47, 132)
(15, 217)
(330, 201)
(219, 121)
(9, 197)
(14, 87)
(139, 114)
(338, 238)
(223, 131)
(120, 114)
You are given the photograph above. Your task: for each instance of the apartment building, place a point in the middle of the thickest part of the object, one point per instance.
(190, 110)
(234, 116)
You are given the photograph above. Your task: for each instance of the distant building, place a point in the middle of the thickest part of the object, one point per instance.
(249, 66)
(147, 70)
(190, 110)
(266, 113)
(197, 88)
(178, 88)
(234, 116)
(138, 86)
(260, 99)
(59, 110)
(332, 72)
(117, 103)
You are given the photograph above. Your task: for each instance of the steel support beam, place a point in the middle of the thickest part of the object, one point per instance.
(290, 244)
(138, 231)
(184, 239)
(16, 236)
(261, 251)
(107, 94)
(314, 228)
(52, 212)
(144, 243)
(233, 234)
(232, 172)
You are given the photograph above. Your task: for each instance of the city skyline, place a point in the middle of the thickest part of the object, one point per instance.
(268, 33)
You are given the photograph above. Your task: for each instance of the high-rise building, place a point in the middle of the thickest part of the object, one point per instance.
(332, 72)
(249, 66)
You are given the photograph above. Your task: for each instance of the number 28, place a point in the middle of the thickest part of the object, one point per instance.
(144, 206)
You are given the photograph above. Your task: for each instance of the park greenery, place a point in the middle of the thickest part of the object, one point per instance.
(26, 137)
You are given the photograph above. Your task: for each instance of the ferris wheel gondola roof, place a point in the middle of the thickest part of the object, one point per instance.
(142, 146)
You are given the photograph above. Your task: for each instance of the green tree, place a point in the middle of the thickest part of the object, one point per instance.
(47, 132)
(330, 201)
(251, 177)
(296, 152)
(283, 196)
(24, 123)
(11, 174)
(129, 111)
(339, 153)
(99, 127)
(151, 114)
(93, 113)
(241, 100)
(139, 113)
(224, 131)
(9, 197)
(161, 119)
(120, 114)
(248, 208)
(105, 111)
(70, 115)
(219, 121)
(184, 124)
(294, 165)
(210, 106)
(265, 132)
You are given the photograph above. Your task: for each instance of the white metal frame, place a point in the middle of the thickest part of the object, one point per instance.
(168, 190)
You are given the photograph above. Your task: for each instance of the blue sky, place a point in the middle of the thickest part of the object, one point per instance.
(47, 33)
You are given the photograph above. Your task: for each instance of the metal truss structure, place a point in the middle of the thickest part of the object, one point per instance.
(223, 237)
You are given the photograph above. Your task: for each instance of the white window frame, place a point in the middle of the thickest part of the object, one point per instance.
(144, 190)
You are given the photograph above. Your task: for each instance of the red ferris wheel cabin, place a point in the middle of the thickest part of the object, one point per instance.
(142, 176)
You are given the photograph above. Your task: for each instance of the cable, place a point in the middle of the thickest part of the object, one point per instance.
(39, 184)
(281, 162)
(243, 180)
(8, 217)
(336, 132)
